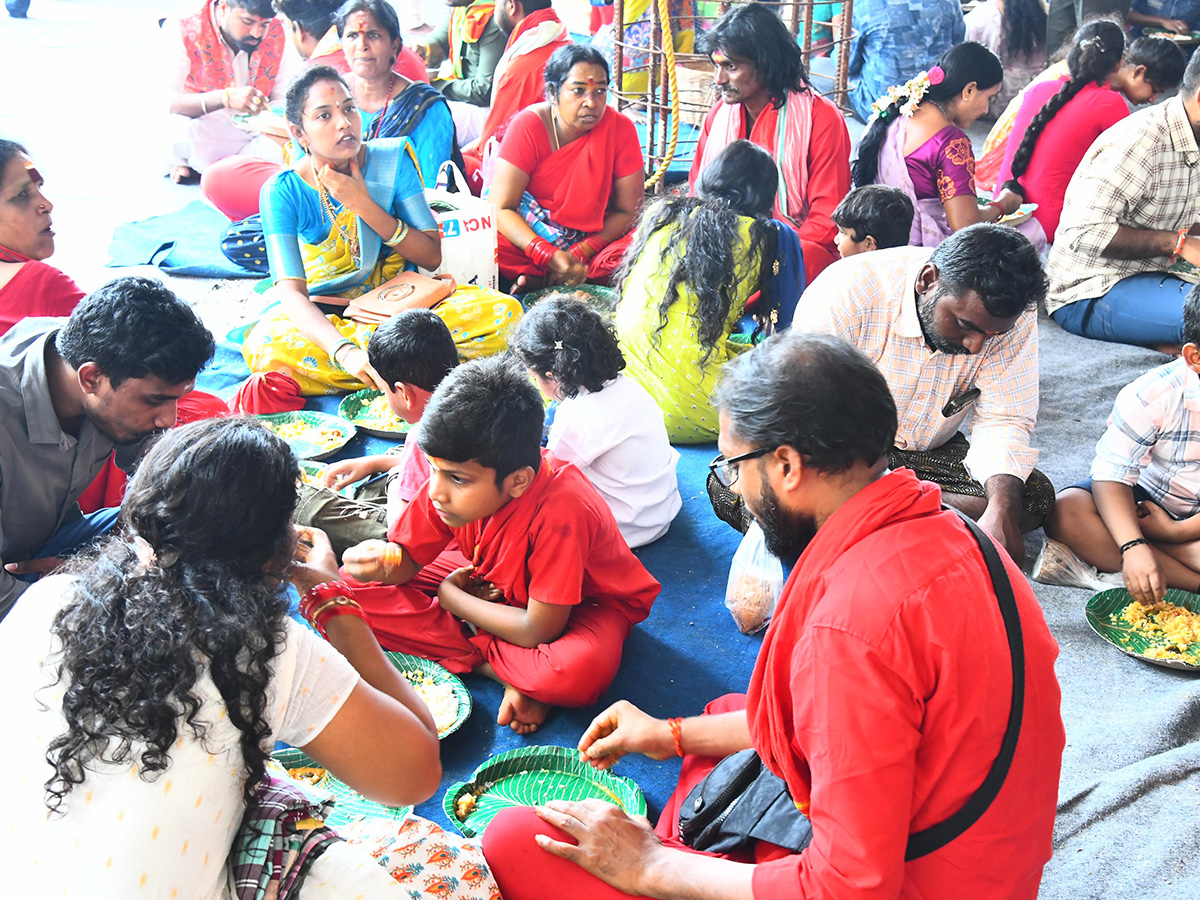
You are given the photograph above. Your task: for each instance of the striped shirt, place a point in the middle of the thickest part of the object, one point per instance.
(870, 299)
(1153, 438)
(1143, 172)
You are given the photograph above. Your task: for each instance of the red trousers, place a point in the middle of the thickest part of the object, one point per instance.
(524, 871)
(573, 670)
(233, 184)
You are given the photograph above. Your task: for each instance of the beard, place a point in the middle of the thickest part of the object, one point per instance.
(249, 45)
(926, 307)
(786, 533)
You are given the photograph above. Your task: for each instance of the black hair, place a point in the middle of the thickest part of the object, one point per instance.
(532, 6)
(313, 16)
(879, 211)
(740, 181)
(752, 31)
(962, 64)
(1163, 59)
(260, 8)
(564, 59)
(566, 339)
(297, 92)
(486, 410)
(1191, 316)
(413, 347)
(1023, 26)
(9, 151)
(1095, 52)
(814, 392)
(997, 262)
(381, 11)
(133, 327)
(214, 501)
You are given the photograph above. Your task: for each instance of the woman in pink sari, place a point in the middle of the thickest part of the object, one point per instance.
(569, 178)
(917, 142)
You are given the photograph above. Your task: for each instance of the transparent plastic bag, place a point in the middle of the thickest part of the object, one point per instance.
(755, 582)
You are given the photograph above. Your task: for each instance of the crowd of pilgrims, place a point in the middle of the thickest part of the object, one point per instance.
(832, 320)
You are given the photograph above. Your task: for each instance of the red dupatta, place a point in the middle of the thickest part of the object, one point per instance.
(210, 62)
(574, 184)
(895, 497)
(37, 289)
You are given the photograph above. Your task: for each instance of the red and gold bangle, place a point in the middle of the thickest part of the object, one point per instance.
(582, 252)
(676, 726)
(392, 556)
(595, 243)
(539, 252)
(1179, 242)
(327, 600)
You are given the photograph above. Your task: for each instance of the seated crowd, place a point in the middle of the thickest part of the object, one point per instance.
(858, 336)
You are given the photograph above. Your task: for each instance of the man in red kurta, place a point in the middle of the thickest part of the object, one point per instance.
(766, 98)
(553, 589)
(881, 693)
(534, 33)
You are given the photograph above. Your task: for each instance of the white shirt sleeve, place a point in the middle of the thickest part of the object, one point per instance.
(322, 681)
(173, 64)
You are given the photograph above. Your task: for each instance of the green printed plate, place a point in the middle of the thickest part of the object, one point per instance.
(529, 776)
(1103, 614)
(1185, 271)
(599, 297)
(413, 667)
(311, 434)
(380, 421)
(349, 804)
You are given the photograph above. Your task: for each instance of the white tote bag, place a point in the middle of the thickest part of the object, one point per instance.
(467, 225)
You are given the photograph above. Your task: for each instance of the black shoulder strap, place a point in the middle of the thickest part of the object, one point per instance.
(935, 837)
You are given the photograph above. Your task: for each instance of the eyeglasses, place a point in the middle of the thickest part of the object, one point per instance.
(726, 470)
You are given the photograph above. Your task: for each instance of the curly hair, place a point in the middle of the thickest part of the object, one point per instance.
(739, 183)
(213, 501)
(963, 64)
(1096, 51)
(568, 340)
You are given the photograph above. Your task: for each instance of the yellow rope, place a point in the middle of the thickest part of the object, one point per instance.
(668, 43)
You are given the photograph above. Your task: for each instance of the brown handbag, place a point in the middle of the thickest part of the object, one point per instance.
(408, 290)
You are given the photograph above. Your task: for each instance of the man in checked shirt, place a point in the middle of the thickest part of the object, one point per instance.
(954, 331)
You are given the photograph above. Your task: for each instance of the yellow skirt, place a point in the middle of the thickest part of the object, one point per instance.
(478, 320)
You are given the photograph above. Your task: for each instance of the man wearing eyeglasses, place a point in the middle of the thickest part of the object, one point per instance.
(954, 332)
(881, 695)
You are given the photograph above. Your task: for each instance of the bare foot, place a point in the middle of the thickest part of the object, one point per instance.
(184, 175)
(520, 713)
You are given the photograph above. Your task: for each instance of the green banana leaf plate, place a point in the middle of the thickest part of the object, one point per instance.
(1104, 615)
(349, 804)
(418, 670)
(311, 434)
(369, 412)
(529, 776)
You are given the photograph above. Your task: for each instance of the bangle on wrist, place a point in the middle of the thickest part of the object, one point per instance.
(399, 234)
(1180, 240)
(539, 252)
(338, 348)
(328, 600)
(1130, 544)
(225, 97)
(676, 726)
(204, 104)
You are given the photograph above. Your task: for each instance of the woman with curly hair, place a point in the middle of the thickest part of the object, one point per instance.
(1058, 120)
(149, 683)
(605, 423)
(695, 265)
(917, 142)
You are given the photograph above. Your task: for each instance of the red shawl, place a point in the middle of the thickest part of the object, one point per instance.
(211, 62)
(37, 289)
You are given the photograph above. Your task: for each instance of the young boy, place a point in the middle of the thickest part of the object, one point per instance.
(1138, 513)
(874, 217)
(412, 352)
(551, 591)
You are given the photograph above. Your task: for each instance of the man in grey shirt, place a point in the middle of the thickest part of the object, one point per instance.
(72, 391)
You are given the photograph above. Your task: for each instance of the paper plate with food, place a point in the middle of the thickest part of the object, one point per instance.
(1166, 633)
(529, 776)
(311, 434)
(443, 692)
(368, 410)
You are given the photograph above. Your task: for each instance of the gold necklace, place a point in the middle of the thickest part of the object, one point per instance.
(327, 205)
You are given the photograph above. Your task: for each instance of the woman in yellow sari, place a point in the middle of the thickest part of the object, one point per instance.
(344, 219)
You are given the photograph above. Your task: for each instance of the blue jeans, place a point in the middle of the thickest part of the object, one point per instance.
(1145, 310)
(74, 535)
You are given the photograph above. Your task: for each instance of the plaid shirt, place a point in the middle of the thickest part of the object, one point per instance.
(870, 299)
(1153, 438)
(1143, 172)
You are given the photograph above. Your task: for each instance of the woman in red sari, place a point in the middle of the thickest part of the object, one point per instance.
(28, 287)
(569, 178)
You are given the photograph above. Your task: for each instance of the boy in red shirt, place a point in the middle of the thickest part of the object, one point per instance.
(552, 590)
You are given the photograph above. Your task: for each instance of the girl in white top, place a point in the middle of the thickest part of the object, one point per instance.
(606, 424)
(146, 686)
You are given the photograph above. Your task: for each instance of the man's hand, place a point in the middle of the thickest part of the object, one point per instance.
(1157, 524)
(622, 729)
(1143, 578)
(247, 99)
(1191, 250)
(313, 560)
(612, 845)
(39, 567)
(1004, 525)
(349, 471)
(1176, 25)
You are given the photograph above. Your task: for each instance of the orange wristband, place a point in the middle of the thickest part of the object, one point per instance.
(1183, 234)
(676, 726)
